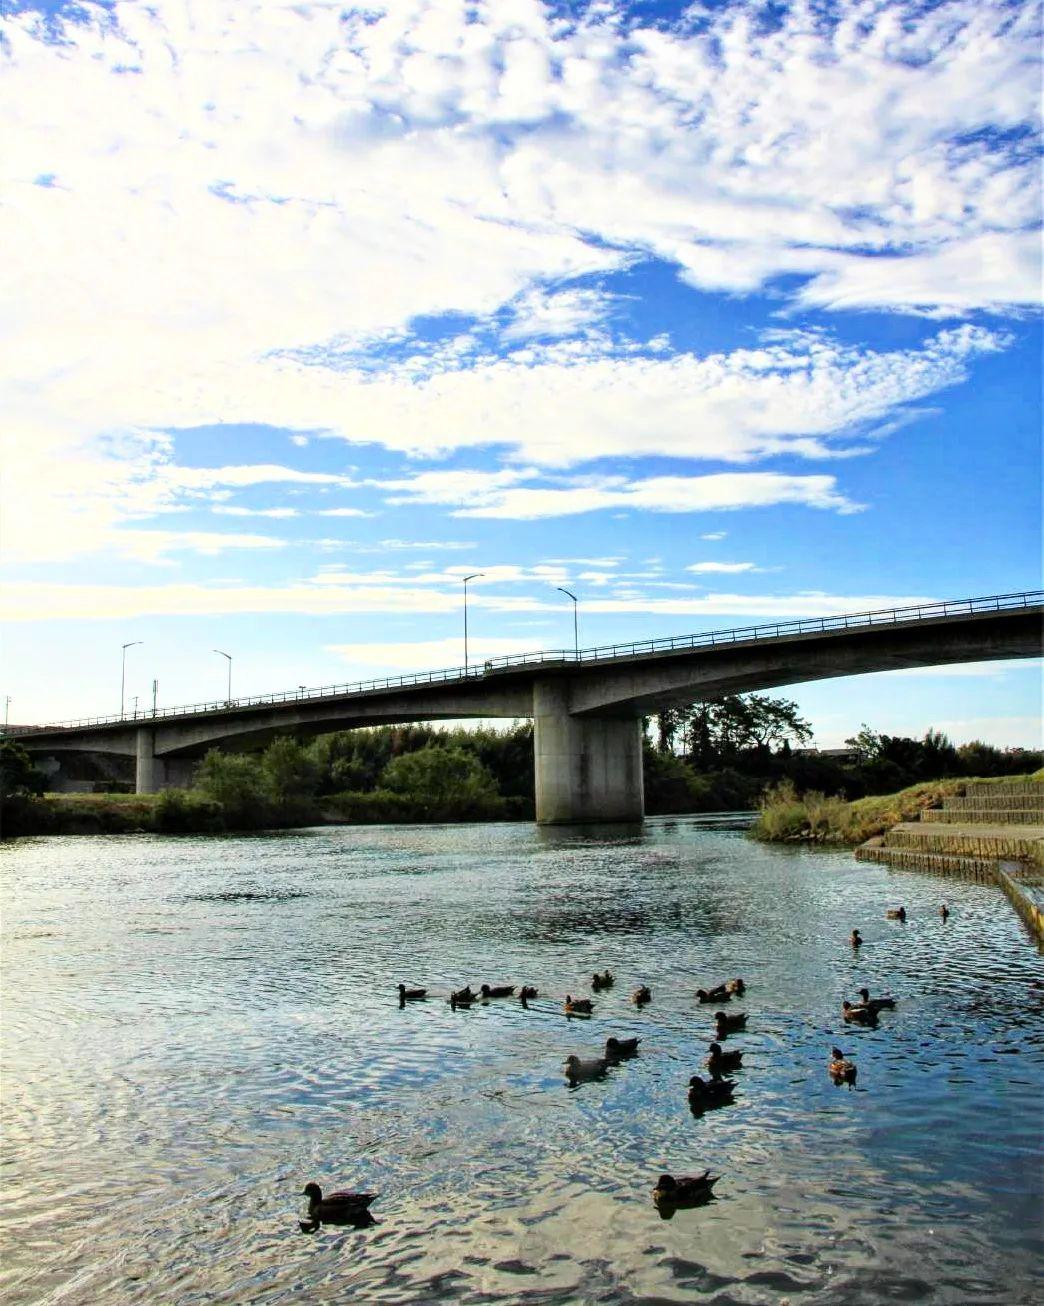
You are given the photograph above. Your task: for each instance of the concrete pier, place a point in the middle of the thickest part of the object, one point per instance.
(588, 769)
(147, 765)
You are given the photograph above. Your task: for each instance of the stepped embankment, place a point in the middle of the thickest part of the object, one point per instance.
(991, 832)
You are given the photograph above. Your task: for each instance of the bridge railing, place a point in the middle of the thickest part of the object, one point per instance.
(557, 657)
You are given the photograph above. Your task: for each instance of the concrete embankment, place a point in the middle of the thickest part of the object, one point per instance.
(993, 832)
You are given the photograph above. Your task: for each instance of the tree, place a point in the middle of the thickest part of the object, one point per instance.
(236, 782)
(18, 776)
(449, 778)
(289, 772)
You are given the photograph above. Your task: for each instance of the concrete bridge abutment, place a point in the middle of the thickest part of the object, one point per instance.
(587, 769)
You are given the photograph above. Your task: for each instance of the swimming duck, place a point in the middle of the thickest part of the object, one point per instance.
(724, 1024)
(641, 996)
(856, 939)
(944, 911)
(895, 914)
(463, 997)
(719, 1061)
(618, 1048)
(578, 1006)
(685, 1190)
(577, 1069)
(841, 1069)
(336, 1208)
(876, 1004)
(718, 994)
(527, 991)
(411, 995)
(500, 991)
(735, 986)
(858, 1015)
(705, 1094)
(603, 981)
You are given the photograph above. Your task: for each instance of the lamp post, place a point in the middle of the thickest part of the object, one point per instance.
(474, 576)
(576, 619)
(123, 668)
(7, 709)
(228, 696)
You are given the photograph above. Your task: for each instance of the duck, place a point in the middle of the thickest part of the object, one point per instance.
(411, 995)
(718, 1061)
(603, 981)
(876, 1004)
(463, 997)
(858, 1015)
(896, 914)
(337, 1208)
(723, 1024)
(735, 987)
(576, 1069)
(685, 1190)
(718, 994)
(841, 1069)
(705, 1094)
(856, 939)
(944, 911)
(500, 991)
(526, 992)
(578, 1006)
(641, 996)
(618, 1048)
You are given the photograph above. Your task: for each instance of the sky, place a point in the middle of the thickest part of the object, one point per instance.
(710, 313)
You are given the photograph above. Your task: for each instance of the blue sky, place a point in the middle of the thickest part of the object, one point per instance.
(712, 314)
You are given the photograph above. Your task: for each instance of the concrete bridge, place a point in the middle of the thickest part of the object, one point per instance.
(587, 706)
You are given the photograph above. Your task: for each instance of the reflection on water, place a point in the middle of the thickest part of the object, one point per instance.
(196, 1027)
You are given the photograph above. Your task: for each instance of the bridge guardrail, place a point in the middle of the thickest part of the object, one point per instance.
(601, 652)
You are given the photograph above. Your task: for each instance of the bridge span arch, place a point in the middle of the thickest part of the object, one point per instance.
(586, 706)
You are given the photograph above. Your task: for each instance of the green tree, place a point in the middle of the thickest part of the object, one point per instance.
(449, 779)
(18, 776)
(290, 772)
(237, 783)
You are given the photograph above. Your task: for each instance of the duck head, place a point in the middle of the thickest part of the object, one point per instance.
(697, 1082)
(313, 1192)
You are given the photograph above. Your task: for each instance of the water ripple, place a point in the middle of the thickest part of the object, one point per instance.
(196, 1026)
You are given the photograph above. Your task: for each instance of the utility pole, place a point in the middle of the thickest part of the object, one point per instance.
(474, 576)
(123, 669)
(228, 696)
(576, 620)
(155, 691)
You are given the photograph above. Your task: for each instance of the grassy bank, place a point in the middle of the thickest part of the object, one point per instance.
(186, 811)
(784, 816)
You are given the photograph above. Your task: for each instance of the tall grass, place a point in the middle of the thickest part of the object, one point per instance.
(785, 816)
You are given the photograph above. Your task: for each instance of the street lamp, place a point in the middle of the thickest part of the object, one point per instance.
(576, 619)
(474, 576)
(123, 668)
(7, 708)
(228, 696)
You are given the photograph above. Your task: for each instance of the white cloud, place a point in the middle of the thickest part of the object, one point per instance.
(226, 510)
(379, 593)
(240, 191)
(714, 535)
(477, 494)
(723, 567)
(344, 512)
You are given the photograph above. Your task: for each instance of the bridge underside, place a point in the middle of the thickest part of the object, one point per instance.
(587, 717)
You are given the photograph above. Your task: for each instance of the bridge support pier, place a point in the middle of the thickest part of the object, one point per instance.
(148, 769)
(588, 769)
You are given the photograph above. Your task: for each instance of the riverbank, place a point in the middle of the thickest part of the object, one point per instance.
(786, 817)
(186, 811)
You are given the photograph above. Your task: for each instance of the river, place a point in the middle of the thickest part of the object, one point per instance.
(194, 1027)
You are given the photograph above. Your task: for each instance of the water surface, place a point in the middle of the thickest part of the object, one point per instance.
(195, 1027)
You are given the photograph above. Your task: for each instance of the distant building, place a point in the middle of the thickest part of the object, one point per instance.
(834, 754)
